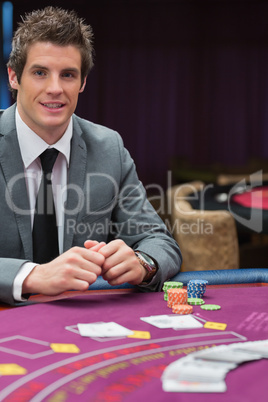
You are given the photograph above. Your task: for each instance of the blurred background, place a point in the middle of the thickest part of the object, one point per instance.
(184, 82)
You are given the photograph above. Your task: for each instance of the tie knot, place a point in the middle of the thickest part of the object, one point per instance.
(48, 158)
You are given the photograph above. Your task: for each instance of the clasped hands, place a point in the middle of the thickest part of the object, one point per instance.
(79, 267)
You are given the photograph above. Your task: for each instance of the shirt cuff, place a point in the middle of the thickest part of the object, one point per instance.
(24, 271)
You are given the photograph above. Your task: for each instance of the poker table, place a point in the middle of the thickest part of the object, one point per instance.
(44, 358)
(248, 205)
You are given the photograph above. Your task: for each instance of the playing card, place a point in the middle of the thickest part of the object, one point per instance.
(173, 321)
(205, 370)
(259, 347)
(230, 353)
(104, 329)
(197, 370)
(188, 386)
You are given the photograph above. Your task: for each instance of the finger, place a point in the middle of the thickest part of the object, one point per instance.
(81, 258)
(112, 248)
(90, 243)
(116, 271)
(129, 270)
(94, 245)
(92, 256)
(87, 267)
(83, 275)
(124, 255)
(124, 277)
(98, 246)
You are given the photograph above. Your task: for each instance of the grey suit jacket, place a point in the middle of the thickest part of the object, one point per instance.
(105, 200)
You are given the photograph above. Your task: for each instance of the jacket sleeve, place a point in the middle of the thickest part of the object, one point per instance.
(9, 268)
(136, 222)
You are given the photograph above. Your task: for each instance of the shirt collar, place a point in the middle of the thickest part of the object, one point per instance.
(31, 145)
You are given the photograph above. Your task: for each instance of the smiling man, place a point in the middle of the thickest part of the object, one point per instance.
(93, 218)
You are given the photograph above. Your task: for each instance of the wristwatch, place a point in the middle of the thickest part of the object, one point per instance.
(149, 264)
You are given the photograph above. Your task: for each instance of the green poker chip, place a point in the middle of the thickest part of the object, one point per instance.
(195, 301)
(172, 284)
(211, 307)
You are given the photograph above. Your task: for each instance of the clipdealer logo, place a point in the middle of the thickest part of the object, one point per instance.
(131, 195)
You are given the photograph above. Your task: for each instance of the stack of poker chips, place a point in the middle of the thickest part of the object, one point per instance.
(171, 285)
(177, 300)
(177, 296)
(196, 288)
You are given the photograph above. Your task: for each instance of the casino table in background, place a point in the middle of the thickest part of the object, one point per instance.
(129, 369)
(243, 203)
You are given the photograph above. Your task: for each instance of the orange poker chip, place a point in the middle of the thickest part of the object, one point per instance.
(181, 302)
(172, 304)
(176, 292)
(182, 309)
(177, 297)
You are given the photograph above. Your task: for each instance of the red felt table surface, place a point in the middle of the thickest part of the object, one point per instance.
(255, 198)
(126, 369)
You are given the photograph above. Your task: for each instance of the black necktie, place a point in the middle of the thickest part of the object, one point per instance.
(45, 232)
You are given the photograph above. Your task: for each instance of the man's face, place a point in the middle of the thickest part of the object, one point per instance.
(48, 91)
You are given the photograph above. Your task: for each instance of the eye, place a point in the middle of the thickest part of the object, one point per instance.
(39, 73)
(68, 75)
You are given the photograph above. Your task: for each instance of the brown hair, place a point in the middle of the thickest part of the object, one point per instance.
(54, 25)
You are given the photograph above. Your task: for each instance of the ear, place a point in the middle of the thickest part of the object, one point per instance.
(12, 78)
(83, 86)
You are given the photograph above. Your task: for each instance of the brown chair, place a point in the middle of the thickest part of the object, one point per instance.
(208, 239)
(225, 179)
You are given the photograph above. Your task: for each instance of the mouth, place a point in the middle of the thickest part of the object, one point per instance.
(53, 105)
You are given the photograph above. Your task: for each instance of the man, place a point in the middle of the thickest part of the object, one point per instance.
(105, 225)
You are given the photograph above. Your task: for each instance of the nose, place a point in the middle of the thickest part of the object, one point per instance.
(54, 85)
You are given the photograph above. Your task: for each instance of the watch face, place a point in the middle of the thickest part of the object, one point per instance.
(148, 263)
(148, 259)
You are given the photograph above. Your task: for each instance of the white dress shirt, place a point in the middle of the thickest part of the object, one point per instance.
(31, 146)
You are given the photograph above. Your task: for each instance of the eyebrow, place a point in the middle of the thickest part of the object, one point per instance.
(34, 66)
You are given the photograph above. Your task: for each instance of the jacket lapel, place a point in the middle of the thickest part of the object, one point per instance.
(76, 178)
(12, 166)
